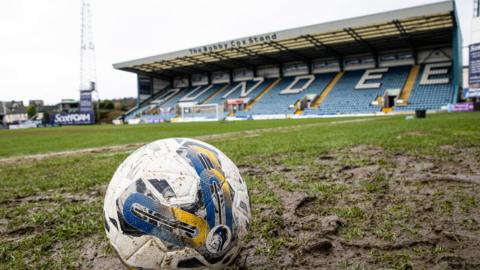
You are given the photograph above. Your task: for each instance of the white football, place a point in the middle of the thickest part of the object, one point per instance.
(177, 203)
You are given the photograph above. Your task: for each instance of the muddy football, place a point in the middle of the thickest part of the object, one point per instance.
(177, 203)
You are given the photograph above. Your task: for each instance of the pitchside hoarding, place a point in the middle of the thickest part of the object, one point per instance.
(461, 107)
(72, 118)
(474, 69)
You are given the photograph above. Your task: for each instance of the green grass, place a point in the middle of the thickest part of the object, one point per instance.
(435, 129)
(33, 230)
(33, 141)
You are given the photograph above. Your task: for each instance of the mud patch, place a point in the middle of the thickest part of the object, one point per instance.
(94, 256)
(247, 170)
(305, 207)
(87, 196)
(397, 211)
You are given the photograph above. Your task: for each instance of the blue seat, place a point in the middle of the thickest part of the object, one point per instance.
(429, 97)
(275, 103)
(345, 99)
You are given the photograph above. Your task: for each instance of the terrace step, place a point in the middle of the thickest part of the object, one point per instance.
(215, 94)
(409, 84)
(387, 110)
(263, 93)
(299, 112)
(321, 97)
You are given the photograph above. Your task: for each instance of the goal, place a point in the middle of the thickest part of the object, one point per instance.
(200, 112)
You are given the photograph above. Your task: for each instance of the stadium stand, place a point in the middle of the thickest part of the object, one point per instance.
(346, 98)
(393, 62)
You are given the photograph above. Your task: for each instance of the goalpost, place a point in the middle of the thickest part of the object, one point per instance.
(200, 112)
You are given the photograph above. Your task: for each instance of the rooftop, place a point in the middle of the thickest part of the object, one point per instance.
(405, 29)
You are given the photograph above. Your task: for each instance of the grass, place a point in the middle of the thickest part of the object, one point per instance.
(49, 231)
(34, 141)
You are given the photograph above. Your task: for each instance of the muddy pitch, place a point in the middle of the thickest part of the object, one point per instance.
(355, 208)
(383, 210)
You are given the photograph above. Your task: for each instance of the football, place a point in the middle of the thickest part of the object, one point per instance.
(177, 203)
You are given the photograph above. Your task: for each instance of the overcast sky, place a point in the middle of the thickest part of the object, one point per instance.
(40, 40)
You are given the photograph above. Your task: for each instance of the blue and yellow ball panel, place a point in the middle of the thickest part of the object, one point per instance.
(209, 228)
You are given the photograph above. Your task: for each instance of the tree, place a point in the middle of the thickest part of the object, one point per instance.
(46, 117)
(31, 111)
(109, 105)
(106, 105)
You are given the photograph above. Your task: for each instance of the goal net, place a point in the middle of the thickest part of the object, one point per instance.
(200, 112)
